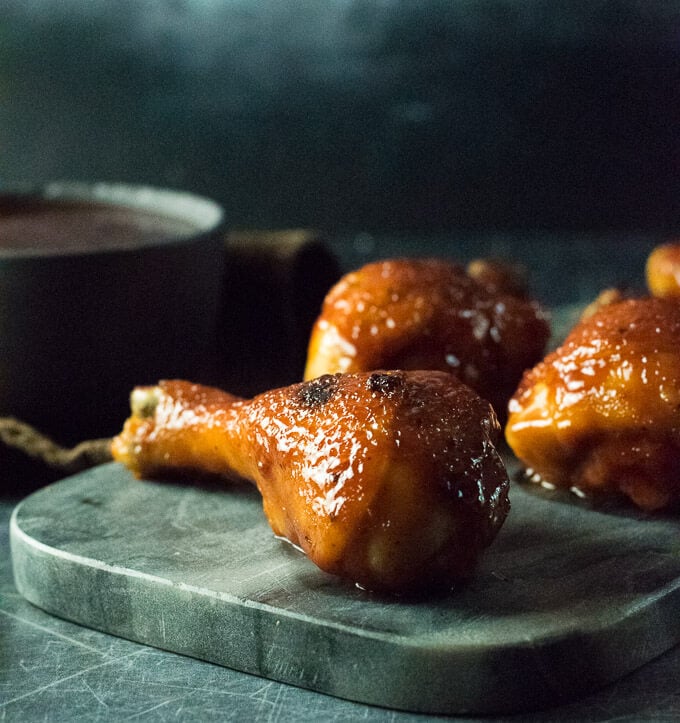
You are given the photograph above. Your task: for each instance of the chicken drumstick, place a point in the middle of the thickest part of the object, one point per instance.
(602, 412)
(388, 479)
(431, 314)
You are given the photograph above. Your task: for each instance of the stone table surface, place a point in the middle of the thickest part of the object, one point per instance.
(54, 670)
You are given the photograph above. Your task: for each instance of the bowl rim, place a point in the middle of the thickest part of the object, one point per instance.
(205, 214)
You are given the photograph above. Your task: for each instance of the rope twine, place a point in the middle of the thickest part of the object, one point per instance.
(23, 437)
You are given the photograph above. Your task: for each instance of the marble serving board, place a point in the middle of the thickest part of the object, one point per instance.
(566, 600)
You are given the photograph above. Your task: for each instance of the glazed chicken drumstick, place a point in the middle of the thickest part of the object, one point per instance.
(429, 313)
(388, 479)
(601, 414)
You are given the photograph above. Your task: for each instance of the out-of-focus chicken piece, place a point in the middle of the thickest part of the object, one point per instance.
(499, 276)
(663, 271)
(388, 479)
(601, 414)
(604, 298)
(428, 314)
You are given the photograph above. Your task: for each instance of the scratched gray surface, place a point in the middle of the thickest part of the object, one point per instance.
(54, 670)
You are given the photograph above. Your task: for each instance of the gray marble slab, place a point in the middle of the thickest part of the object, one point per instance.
(566, 600)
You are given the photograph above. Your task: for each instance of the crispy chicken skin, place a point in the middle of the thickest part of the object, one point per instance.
(662, 271)
(431, 314)
(602, 412)
(387, 479)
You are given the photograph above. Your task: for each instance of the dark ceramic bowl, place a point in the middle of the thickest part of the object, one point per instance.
(102, 287)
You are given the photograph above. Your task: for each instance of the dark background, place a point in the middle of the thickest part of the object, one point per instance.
(376, 115)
